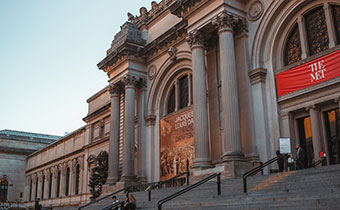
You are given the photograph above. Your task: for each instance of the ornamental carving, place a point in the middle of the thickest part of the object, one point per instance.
(196, 39)
(181, 7)
(98, 175)
(241, 29)
(141, 84)
(152, 72)
(129, 81)
(172, 51)
(255, 10)
(225, 21)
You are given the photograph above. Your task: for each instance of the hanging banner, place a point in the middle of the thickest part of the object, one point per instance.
(177, 143)
(308, 74)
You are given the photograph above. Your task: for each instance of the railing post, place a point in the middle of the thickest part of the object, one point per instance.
(219, 184)
(159, 206)
(149, 197)
(261, 164)
(188, 174)
(244, 184)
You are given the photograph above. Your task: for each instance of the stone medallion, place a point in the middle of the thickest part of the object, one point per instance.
(152, 72)
(255, 10)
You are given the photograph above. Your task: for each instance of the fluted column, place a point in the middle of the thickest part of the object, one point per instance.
(196, 41)
(113, 169)
(129, 130)
(316, 135)
(142, 131)
(232, 148)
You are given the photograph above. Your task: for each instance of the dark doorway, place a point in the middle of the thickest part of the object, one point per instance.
(332, 120)
(305, 140)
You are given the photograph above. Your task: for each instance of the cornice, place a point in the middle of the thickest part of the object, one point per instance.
(97, 112)
(181, 8)
(163, 41)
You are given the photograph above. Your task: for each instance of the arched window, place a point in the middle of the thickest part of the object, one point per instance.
(180, 94)
(77, 180)
(293, 47)
(58, 183)
(42, 187)
(36, 189)
(3, 190)
(316, 28)
(67, 181)
(336, 18)
(316, 32)
(50, 186)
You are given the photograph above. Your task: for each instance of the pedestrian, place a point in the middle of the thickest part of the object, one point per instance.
(115, 200)
(299, 157)
(37, 206)
(279, 161)
(130, 202)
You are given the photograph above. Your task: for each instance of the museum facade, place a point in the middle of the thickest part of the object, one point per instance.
(214, 82)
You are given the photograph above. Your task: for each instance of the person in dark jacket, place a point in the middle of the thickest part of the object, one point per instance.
(279, 161)
(300, 155)
(37, 206)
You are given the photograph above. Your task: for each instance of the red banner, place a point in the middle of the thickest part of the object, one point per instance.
(308, 74)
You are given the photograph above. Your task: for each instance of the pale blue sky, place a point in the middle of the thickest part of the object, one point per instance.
(49, 50)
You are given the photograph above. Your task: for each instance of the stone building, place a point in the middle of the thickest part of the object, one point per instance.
(214, 82)
(15, 146)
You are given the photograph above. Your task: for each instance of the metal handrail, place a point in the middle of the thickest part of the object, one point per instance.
(190, 187)
(259, 168)
(117, 204)
(316, 163)
(106, 196)
(158, 185)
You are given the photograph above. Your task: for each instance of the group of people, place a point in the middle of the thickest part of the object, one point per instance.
(299, 161)
(129, 204)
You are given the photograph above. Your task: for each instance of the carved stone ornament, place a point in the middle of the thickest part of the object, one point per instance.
(255, 10)
(152, 72)
(129, 81)
(196, 39)
(225, 21)
(114, 89)
(241, 28)
(172, 51)
(141, 84)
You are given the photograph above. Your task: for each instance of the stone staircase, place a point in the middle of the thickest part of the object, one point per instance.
(307, 189)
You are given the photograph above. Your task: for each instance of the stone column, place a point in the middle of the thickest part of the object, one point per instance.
(316, 135)
(113, 169)
(129, 130)
(47, 184)
(142, 131)
(330, 24)
(40, 179)
(232, 148)
(34, 183)
(196, 41)
(150, 147)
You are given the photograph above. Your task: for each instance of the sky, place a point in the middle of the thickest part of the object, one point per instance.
(49, 50)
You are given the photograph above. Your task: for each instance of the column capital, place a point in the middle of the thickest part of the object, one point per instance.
(257, 75)
(313, 106)
(241, 29)
(150, 119)
(115, 89)
(129, 81)
(225, 21)
(196, 39)
(141, 84)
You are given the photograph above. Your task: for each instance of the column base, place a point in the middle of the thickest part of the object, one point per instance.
(128, 180)
(202, 163)
(111, 180)
(142, 179)
(232, 156)
(234, 168)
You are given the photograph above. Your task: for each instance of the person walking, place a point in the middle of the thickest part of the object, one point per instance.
(130, 202)
(299, 157)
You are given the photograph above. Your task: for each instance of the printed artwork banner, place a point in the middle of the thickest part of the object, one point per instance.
(177, 143)
(308, 74)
